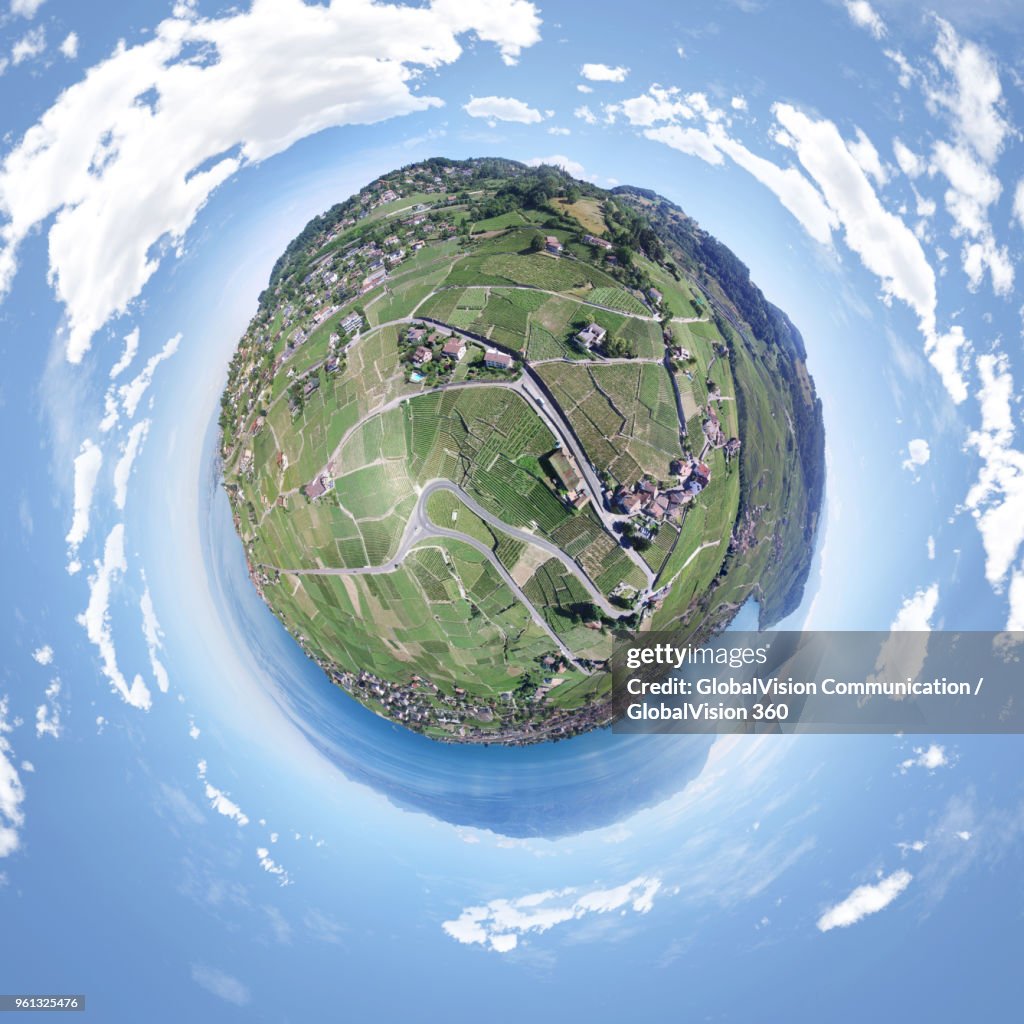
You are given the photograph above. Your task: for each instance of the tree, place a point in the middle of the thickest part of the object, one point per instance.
(537, 242)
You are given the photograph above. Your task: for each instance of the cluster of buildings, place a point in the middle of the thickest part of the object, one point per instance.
(646, 498)
(716, 436)
(601, 243)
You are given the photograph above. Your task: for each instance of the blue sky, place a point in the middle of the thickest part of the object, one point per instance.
(776, 126)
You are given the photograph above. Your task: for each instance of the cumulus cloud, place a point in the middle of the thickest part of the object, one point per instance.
(87, 469)
(502, 108)
(31, 45)
(912, 165)
(12, 793)
(132, 392)
(500, 923)
(1018, 203)
(863, 15)
(26, 8)
(224, 986)
(862, 149)
(996, 499)
(48, 713)
(129, 452)
(604, 73)
(915, 614)
(864, 900)
(738, 103)
(69, 47)
(559, 131)
(570, 166)
(43, 655)
(272, 867)
(905, 649)
(124, 179)
(131, 346)
(220, 801)
(584, 113)
(153, 634)
(929, 758)
(96, 619)
(918, 453)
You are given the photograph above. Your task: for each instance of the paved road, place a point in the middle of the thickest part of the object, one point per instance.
(420, 528)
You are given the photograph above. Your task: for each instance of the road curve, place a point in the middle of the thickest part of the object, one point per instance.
(419, 528)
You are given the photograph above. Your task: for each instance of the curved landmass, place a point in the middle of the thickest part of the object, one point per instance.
(488, 418)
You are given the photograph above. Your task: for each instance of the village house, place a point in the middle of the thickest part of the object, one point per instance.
(601, 243)
(552, 245)
(311, 385)
(591, 335)
(569, 476)
(415, 335)
(455, 348)
(422, 355)
(655, 296)
(319, 487)
(377, 277)
(497, 360)
(352, 323)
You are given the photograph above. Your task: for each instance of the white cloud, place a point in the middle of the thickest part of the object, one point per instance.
(931, 549)
(864, 900)
(915, 614)
(681, 52)
(87, 468)
(132, 392)
(26, 8)
(584, 113)
(500, 923)
(224, 986)
(964, 835)
(48, 714)
(96, 619)
(793, 190)
(272, 867)
(31, 45)
(43, 655)
(193, 729)
(131, 346)
(996, 499)
(692, 141)
(604, 73)
(974, 97)
(863, 15)
(129, 451)
(929, 758)
(559, 131)
(915, 847)
(738, 103)
(583, 88)
(659, 104)
(69, 47)
(909, 162)
(864, 152)
(502, 108)
(220, 801)
(152, 633)
(918, 453)
(573, 167)
(1018, 203)
(12, 793)
(124, 180)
